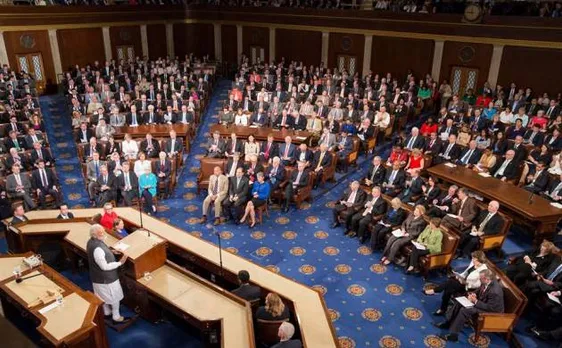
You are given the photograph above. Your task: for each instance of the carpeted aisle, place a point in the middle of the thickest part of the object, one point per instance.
(370, 305)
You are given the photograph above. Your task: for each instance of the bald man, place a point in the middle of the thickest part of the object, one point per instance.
(488, 223)
(285, 333)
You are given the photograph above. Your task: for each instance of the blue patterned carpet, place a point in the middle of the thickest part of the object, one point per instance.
(370, 305)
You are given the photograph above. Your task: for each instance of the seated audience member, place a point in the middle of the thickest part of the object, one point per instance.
(412, 187)
(163, 169)
(105, 187)
(376, 174)
(226, 117)
(285, 333)
(430, 192)
(259, 119)
(132, 118)
(287, 152)
(259, 196)
(506, 168)
(246, 290)
(356, 224)
(240, 119)
(275, 173)
(327, 138)
(470, 155)
(394, 180)
(93, 148)
(19, 215)
(232, 164)
(321, 161)
(410, 230)
(426, 129)
(488, 223)
(119, 228)
(343, 147)
(518, 130)
(428, 243)
(554, 140)
(303, 154)
(521, 152)
(283, 121)
(18, 185)
(460, 283)
(269, 149)
(93, 172)
(482, 140)
(537, 182)
(462, 212)
(415, 141)
(394, 216)
(142, 164)
(64, 212)
(108, 217)
(522, 269)
(349, 203)
(217, 192)
(32, 137)
(148, 185)
(553, 192)
(45, 183)
(251, 148)
(151, 117)
(487, 161)
(252, 168)
(129, 147)
(487, 299)
(103, 130)
(233, 145)
(216, 146)
(274, 309)
(14, 158)
(450, 151)
(169, 117)
(299, 179)
(173, 145)
(397, 155)
(128, 184)
(112, 147)
(548, 281)
(185, 116)
(237, 195)
(114, 165)
(84, 134)
(365, 132)
(150, 146)
(433, 145)
(415, 161)
(534, 136)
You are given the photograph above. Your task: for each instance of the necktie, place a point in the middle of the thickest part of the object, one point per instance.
(127, 181)
(298, 179)
(237, 182)
(161, 166)
(549, 111)
(374, 173)
(216, 187)
(97, 168)
(411, 142)
(18, 179)
(35, 140)
(105, 180)
(556, 272)
(286, 151)
(40, 154)
(467, 157)
(351, 198)
(462, 206)
(502, 168)
(17, 144)
(320, 160)
(44, 178)
(448, 149)
(484, 222)
(532, 136)
(392, 177)
(556, 190)
(134, 119)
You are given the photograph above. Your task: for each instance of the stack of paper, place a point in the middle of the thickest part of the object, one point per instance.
(419, 246)
(484, 174)
(556, 205)
(464, 301)
(398, 233)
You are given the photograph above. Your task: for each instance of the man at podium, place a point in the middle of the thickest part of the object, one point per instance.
(103, 273)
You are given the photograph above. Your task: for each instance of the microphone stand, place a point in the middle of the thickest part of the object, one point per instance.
(140, 214)
(214, 231)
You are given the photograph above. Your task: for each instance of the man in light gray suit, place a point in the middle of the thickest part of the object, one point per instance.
(93, 172)
(18, 185)
(327, 138)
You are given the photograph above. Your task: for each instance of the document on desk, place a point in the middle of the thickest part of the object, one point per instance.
(121, 246)
(398, 233)
(464, 301)
(419, 246)
(452, 215)
(450, 165)
(556, 205)
(46, 309)
(253, 126)
(484, 174)
(300, 138)
(553, 298)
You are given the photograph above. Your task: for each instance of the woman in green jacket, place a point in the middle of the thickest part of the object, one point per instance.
(430, 239)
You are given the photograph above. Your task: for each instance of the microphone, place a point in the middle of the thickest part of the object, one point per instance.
(20, 279)
(214, 231)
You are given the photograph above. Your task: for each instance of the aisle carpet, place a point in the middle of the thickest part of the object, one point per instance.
(370, 305)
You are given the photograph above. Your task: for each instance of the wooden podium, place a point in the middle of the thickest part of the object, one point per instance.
(146, 253)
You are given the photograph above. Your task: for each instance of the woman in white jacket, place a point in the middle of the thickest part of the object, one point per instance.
(129, 148)
(460, 283)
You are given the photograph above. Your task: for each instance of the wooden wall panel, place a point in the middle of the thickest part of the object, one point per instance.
(346, 44)
(22, 42)
(80, 46)
(125, 36)
(156, 37)
(229, 43)
(255, 36)
(299, 45)
(197, 38)
(537, 68)
(397, 55)
(468, 55)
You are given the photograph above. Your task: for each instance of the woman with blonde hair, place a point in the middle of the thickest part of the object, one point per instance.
(411, 228)
(415, 161)
(273, 310)
(522, 268)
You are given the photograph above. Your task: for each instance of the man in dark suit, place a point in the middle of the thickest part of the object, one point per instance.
(32, 137)
(488, 223)
(450, 151)
(259, 118)
(299, 122)
(285, 333)
(554, 190)
(164, 172)
(128, 184)
(537, 182)
(150, 146)
(284, 120)
(275, 173)
(442, 205)
(463, 211)
(303, 154)
(19, 215)
(93, 147)
(14, 142)
(247, 291)
(134, 118)
(356, 224)
(376, 174)
(534, 136)
(39, 152)
(506, 169)
(238, 189)
(287, 151)
(470, 155)
(322, 160)
(268, 149)
(521, 152)
(173, 145)
(478, 122)
(553, 110)
(546, 281)
(185, 116)
(65, 214)
(299, 179)
(216, 146)
(448, 128)
(554, 140)
(415, 140)
(151, 116)
(84, 134)
(233, 145)
(105, 187)
(487, 299)
(349, 203)
(433, 145)
(394, 180)
(44, 182)
(412, 188)
(232, 164)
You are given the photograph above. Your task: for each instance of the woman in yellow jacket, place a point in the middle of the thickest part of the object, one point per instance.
(428, 242)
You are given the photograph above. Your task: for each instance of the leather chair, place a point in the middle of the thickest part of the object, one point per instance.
(207, 168)
(267, 332)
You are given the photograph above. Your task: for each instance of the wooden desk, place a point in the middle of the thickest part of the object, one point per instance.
(260, 133)
(157, 131)
(311, 313)
(78, 322)
(539, 213)
(146, 253)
